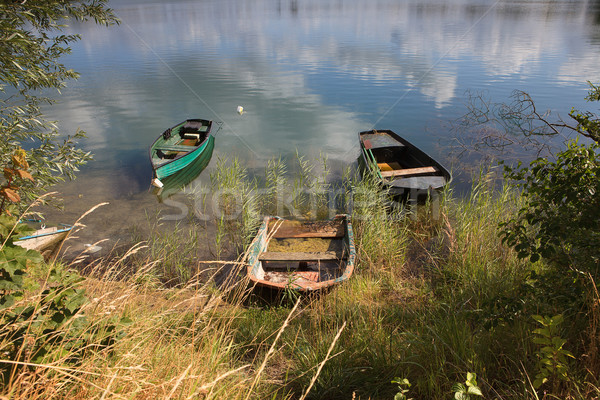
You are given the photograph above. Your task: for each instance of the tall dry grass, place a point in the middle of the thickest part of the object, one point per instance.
(168, 343)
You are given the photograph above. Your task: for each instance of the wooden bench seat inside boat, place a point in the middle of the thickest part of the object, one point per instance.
(194, 136)
(307, 235)
(296, 229)
(192, 130)
(299, 256)
(408, 171)
(391, 166)
(175, 147)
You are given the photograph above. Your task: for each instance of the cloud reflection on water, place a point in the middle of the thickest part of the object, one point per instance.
(313, 73)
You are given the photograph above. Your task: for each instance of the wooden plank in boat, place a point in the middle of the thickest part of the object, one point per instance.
(292, 266)
(325, 235)
(391, 166)
(298, 256)
(175, 147)
(318, 229)
(191, 136)
(378, 140)
(409, 171)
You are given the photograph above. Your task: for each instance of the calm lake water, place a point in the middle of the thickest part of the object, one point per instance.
(310, 74)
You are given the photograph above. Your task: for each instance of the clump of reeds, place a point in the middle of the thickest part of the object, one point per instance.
(275, 187)
(235, 205)
(302, 193)
(479, 263)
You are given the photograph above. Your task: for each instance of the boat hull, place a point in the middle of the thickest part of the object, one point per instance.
(204, 153)
(47, 240)
(176, 181)
(277, 257)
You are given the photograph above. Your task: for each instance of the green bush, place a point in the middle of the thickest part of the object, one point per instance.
(560, 218)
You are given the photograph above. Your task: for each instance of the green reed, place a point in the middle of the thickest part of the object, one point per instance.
(275, 187)
(173, 247)
(235, 204)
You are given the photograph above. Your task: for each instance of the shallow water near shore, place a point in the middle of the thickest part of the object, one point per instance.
(309, 74)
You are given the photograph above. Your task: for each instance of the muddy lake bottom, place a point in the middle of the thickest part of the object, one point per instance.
(123, 222)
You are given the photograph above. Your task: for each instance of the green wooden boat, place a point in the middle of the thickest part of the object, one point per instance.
(179, 146)
(302, 255)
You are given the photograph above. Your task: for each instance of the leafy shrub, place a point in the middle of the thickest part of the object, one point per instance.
(553, 363)
(560, 220)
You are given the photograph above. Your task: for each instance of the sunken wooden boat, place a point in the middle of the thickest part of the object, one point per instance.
(180, 146)
(401, 166)
(300, 255)
(46, 240)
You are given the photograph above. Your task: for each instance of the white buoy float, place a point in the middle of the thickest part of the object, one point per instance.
(240, 110)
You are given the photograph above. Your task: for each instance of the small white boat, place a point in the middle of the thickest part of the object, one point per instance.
(46, 240)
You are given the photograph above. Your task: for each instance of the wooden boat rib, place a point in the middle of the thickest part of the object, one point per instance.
(400, 165)
(303, 256)
(179, 146)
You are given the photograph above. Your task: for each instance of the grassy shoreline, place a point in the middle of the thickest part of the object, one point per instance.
(436, 295)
